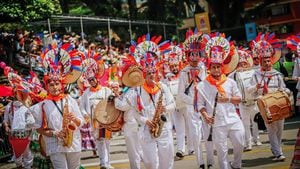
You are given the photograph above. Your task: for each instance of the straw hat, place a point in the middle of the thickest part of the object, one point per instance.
(133, 76)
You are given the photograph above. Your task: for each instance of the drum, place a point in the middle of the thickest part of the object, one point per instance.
(274, 106)
(243, 80)
(108, 116)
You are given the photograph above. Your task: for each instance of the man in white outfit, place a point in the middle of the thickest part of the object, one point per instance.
(248, 107)
(180, 114)
(90, 98)
(130, 127)
(218, 95)
(49, 121)
(189, 77)
(265, 81)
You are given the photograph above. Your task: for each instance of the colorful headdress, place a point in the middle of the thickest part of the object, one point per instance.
(194, 42)
(62, 62)
(24, 87)
(245, 56)
(266, 46)
(175, 55)
(293, 42)
(148, 51)
(92, 65)
(219, 50)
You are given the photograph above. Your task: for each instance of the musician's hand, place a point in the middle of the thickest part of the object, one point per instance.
(223, 99)
(150, 124)
(72, 117)
(60, 134)
(209, 120)
(86, 119)
(115, 90)
(258, 86)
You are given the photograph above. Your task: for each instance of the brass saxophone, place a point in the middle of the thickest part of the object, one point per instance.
(158, 119)
(68, 126)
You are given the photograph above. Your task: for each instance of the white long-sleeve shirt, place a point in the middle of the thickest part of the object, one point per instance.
(184, 83)
(54, 122)
(225, 112)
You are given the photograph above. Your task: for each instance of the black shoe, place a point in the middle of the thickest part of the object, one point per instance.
(202, 166)
(179, 154)
(209, 166)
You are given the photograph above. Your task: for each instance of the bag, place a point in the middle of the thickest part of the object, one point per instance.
(260, 121)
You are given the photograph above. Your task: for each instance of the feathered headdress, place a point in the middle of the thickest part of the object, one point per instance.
(219, 50)
(266, 46)
(293, 42)
(245, 56)
(148, 51)
(194, 42)
(92, 65)
(61, 62)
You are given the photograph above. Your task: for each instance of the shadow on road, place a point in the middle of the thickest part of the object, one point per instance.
(257, 161)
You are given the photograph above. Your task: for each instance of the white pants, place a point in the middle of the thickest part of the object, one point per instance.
(103, 151)
(182, 129)
(275, 132)
(236, 133)
(70, 160)
(247, 115)
(133, 145)
(25, 160)
(195, 131)
(209, 146)
(158, 153)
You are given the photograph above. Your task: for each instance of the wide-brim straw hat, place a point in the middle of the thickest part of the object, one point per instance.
(133, 77)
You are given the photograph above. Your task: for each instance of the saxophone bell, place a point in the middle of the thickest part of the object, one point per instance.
(163, 118)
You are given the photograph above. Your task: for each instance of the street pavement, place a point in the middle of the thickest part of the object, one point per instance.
(258, 158)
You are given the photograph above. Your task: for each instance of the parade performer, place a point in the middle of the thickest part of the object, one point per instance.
(132, 76)
(18, 121)
(92, 96)
(293, 43)
(218, 97)
(173, 61)
(154, 103)
(58, 117)
(248, 108)
(267, 80)
(189, 78)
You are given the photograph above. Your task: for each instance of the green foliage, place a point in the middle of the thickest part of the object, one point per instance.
(81, 10)
(28, 10)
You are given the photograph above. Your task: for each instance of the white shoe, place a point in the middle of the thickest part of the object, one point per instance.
(279, 158)
(111, 167)
(257, 143)
(248, 148)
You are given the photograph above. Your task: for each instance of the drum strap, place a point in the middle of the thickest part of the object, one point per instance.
(61, 103)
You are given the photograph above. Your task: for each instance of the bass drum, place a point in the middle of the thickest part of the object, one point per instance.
(108, 116)
(275, 106)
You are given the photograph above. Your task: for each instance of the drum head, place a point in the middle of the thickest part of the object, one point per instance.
(106, 113)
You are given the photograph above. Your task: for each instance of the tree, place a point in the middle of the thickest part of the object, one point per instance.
(25, 11)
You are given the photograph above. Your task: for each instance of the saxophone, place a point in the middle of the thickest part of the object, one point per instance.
(158, 119)
(68, 126)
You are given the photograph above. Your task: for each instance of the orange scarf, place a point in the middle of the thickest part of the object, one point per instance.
(94, 89)
(56, 98)
(217, 83)
(150, 89)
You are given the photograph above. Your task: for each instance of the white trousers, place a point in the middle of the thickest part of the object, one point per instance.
(182, 129)
(25, 160)
(275, 132)
(69, 160)
(236, 133)
(158, 153)
(247, 115)
(195, 131)
(209, 146)
(103, 151)
(133, 145)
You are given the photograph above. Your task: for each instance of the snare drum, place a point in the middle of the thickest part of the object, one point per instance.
(243, 80)
(275, 106)
(108, 116)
